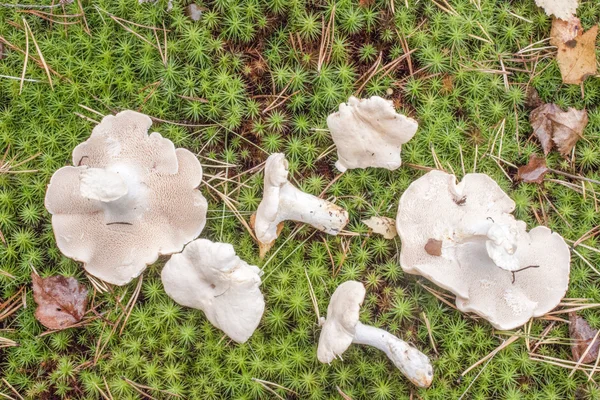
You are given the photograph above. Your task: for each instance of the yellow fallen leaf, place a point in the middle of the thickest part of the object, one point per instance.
(577, 57)
(382, 225)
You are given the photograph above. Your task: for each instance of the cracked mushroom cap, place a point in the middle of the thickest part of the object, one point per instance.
(342, 316)
(438, 222)
(210, 277)
(369, 133)
(129, 198)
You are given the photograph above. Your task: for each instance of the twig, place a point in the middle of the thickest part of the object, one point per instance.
(492, 353)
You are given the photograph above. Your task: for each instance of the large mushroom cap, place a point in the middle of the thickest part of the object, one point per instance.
(369, 133)
(129, 198)
(210, 277)
(342, 317)
(440, 222)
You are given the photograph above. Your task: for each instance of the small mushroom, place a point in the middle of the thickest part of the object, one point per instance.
(369, 133)
(464, 238)
(129, 198)
(342, 328)
(210, 277)
(282, 201)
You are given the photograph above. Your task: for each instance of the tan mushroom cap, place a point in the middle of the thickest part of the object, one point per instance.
(435, 208)
(161, 211)
(210, 277)
(342, 316)
(369, 133)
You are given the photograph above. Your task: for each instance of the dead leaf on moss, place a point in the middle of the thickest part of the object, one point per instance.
(577, 57)
(61, 301)
(563, 31)
(568, 128)
(582, 335)
(542, 125)
(534, 171)
(382, 225)
(553, 126)
(532, 99)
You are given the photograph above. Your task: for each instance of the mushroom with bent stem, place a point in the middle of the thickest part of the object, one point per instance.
(342, 328)
(464, 238)
(282, 201)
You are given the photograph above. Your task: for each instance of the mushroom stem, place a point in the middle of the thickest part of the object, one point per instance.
(501, 243)
(101, 184)
(410, 361)
(119, 190)
(299, 206)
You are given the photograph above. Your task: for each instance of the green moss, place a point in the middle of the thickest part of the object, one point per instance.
(220, 74)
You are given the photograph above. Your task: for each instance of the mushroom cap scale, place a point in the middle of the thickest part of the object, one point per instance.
(435, 208)
(210, 277)
(160, 212)
(369, 133)
(342, 316)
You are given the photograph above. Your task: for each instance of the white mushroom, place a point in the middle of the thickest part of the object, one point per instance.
(369, 133)
(282, 201)
(464, 238)
(342, 328)
(563, 9)
(210, 277)
(129, 198)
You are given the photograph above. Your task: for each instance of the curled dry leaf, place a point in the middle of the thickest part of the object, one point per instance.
(534, 171)
(568, 128)
(553, 126)
(576, 57)
(582, 335)
(382, 225)
(542, 125)
(61, 301)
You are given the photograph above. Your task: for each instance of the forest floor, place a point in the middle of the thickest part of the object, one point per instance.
(253, 77)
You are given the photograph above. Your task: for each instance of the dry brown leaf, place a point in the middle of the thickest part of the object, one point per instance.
(61, 301)
(433, 247)
(366, 3)
(564, 31)
(577, 57)
(542, 125)
(534, 171)
(568, 128)
(582, 335)
(382, 225)
(532, 99)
